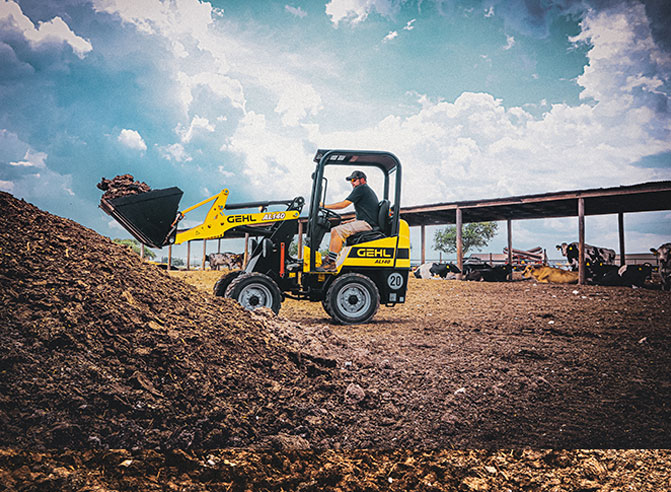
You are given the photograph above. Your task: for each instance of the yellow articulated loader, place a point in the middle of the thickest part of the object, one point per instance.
(372, 267)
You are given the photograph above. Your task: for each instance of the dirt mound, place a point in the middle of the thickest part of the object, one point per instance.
(370, 471)
(101, 350)
(122, 185)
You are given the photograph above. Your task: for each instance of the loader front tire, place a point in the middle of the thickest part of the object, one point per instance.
(255, 290)
(223, 283)
(352, 299)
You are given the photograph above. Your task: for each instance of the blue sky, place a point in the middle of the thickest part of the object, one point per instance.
(479, 99)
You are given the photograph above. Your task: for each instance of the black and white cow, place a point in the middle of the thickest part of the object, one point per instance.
(482, 272)
(593, 254)
(663, 254)
(442, 270)
(627, 275)
(230, 261)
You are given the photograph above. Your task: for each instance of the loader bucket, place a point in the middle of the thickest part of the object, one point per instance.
(149, 216)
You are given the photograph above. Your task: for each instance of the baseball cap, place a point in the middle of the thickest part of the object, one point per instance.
(356, 175)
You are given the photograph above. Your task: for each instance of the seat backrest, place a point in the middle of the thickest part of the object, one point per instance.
(383, 218)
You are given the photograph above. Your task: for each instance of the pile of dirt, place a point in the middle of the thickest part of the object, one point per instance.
(121, 185)
(100, 350)
(370, 471)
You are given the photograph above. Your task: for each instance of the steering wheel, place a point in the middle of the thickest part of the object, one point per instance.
(326, 215)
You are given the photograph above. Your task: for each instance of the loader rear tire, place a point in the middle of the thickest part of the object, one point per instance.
(352, 299)
(223, 283)
(255, 290)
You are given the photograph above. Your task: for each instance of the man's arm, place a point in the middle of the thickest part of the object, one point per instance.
(338, 205)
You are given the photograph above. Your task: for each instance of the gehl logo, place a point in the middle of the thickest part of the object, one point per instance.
(241, 218)
(376, 253)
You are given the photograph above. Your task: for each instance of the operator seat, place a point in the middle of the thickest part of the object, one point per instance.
(383, 229)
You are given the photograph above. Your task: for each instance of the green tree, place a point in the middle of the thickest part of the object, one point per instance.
(174, 262)
(135, 246)
(474, 235)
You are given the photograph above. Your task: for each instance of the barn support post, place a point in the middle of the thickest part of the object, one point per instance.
(300, 240)
(142, 251)
(509, 225)
(620, 230)
(246, 254)
(460, 256)
(202, 265)
(188, 255)
(169, 256)
(422, 229)
(581, 241)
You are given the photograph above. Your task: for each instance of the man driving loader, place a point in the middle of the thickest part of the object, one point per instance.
(366, 207)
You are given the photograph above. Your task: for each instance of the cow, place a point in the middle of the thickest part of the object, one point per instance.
(230, 261)
(546, 274)
(428, 270)
(663, 254)
(626, 275)
(593, 254)
(486, 273)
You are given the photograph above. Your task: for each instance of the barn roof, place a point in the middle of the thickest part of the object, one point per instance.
(643, 197)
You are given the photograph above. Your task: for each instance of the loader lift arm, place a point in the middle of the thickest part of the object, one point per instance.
(152, 217)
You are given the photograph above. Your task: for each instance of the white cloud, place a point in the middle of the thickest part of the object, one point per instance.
(391, 35)
(297, 11)
(356, 11)
(7, 186)
(510, 42)
(171, 18)
(410, 25)
(219, 84)
(490, 11)
(275, 160)
(132, 140)
(297, 101)
(32, 159)
(197, 123)
(175, 152)
(623, 57)
(54, 31)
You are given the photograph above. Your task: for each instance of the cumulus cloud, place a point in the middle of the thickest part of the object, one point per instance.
(391, 35)
(7, 186)
(624, 117)
(510, 42)
(297, 11)
(132, 140)
(175, 152)
(197, 123)
(297, 101)
(31, 159)
(356, 11)
(54, 31)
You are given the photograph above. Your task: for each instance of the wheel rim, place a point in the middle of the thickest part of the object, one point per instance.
(255, 296)
(354, 300)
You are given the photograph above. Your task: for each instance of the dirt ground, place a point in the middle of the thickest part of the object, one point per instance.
(477, 364)
(117, 375)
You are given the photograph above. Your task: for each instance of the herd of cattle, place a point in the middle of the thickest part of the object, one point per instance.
(599, 267)
(229, 261)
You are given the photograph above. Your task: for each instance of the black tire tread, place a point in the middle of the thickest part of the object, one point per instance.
(329, 300)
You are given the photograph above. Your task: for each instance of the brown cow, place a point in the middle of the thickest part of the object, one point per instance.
(546, 274)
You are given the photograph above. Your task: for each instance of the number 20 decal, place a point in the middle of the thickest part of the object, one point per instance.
(395, 281)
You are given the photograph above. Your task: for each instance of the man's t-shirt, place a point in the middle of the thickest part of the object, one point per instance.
(365, 204)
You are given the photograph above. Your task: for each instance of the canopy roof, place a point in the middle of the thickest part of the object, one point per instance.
(644, 197)
(384, 160)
